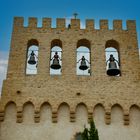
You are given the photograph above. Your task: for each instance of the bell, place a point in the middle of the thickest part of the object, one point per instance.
(32, 60)
(83, 65)
(113, 70)
(55, 65)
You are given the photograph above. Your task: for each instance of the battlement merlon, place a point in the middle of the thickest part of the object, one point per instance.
(117, 24)
(60, 23)
(75, 24)
(46, 23)
(32, 22)
(131, 25)
(90, 24)
(104, 24)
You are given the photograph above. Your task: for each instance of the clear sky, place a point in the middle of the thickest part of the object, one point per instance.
(93, 9)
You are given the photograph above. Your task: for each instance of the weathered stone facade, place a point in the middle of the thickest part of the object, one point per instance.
(68, 89)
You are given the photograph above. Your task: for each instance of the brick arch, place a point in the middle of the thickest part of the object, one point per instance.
(112, 43)
(45, 103)
(9, 102)
(32, 42)
(134, 105)
(28, 102)
(83, 42)
(117, 104)
(56, 42)
(99, 104)
(63, 103)
(81, 103)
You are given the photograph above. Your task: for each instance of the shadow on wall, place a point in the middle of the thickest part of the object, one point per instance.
(64, 129)
(64, 112)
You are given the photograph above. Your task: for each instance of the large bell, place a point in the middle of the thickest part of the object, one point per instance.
(32, 60)
(55, 65)
(83, 65)
(113, 70)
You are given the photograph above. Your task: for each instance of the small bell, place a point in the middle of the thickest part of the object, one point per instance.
(32, 60)
(83, 65)
(55, 65)
(113, 70)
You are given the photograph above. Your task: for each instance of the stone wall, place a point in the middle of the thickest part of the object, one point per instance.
(68, 89)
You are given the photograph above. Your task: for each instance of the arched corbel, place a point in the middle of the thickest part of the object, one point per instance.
(54, 115)
(90, 114)
(126, 117)
(108, 115)
(2, 115)
(19, 114)
(37, 115)
(2, 112)
(72, 113)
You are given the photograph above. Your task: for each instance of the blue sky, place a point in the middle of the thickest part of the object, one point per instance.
(96, 9)
(93, 9)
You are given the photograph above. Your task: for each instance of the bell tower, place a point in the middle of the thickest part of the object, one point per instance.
(58, 79)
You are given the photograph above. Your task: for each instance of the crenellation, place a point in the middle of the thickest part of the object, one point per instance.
(117, 24)
(131, 25)
(104, 24)
(46, 23)
(75, 23)
(60, 23)
(89, 24)
(32, 22)
(18, 22)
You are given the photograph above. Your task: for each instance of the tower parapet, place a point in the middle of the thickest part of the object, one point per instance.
(75, 24)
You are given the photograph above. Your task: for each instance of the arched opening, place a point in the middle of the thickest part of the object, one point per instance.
(112, 58)
(83, 57)
(56, 57)
(32, 57)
